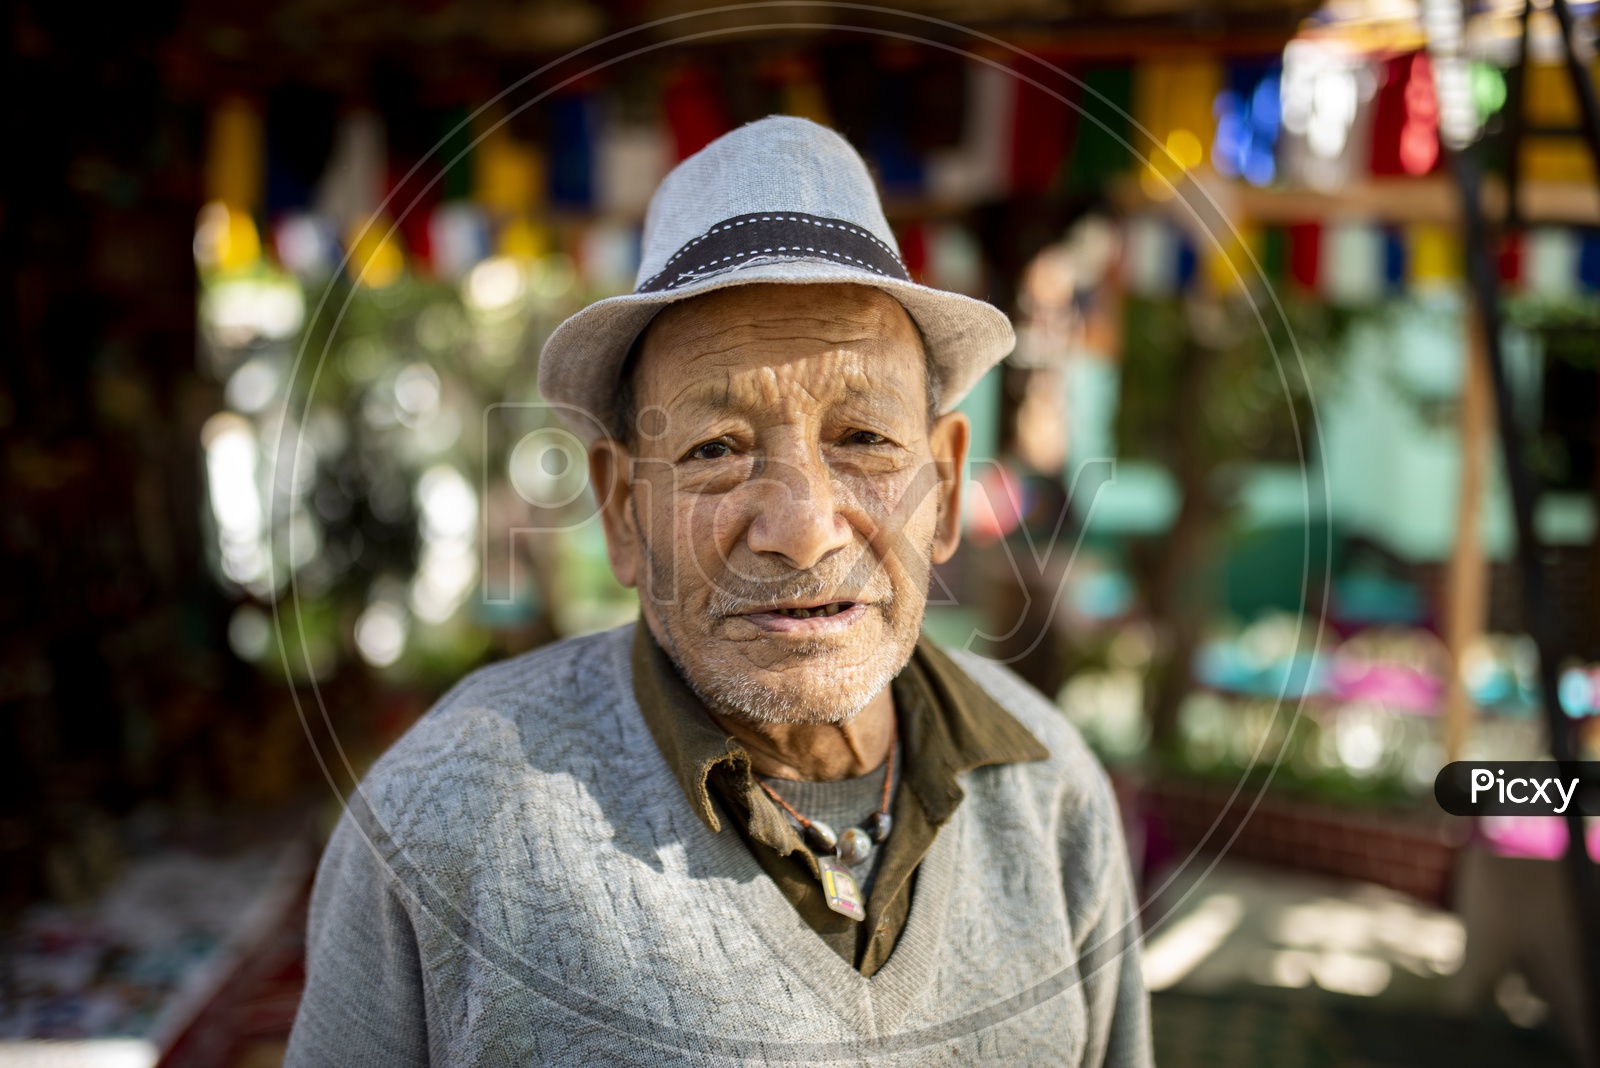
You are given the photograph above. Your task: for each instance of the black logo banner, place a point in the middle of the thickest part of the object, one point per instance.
(1519, 787)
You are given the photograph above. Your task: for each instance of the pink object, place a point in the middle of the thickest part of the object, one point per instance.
(995, 510)
(1539, 837)
(1390, 685)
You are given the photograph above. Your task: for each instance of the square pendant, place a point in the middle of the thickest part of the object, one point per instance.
(840, 890)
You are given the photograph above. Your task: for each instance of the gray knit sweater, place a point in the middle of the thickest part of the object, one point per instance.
(520, 881)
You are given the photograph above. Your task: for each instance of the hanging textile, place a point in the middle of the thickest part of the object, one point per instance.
(523, 239)
(1550, 262)
(1173, 102)
(234, 156)
(694, 111)
(305, 245)
(1150, 262)
(630, 160)
(1589, 259)
(572, 137)
(226, 238)
(353, 185)
(978, 170)
(1352, 262)
(1042, 127)
(458, 235)
(1395, 263)
(1275, 255)
(1188, 262)
(1326, 97)
(1435, 257)
(1550, 103)
(1305, 255)
(913, 240)
(508, 175)
(801, 91)
(454, 153)
(299, 139)
(1249, 113)
(955, 260)
(899, 167)
(416, 223)
(1100, 147)
(1228, 266)
(1405, 134)
(1508, 261)
(412, 168)
(608, 257)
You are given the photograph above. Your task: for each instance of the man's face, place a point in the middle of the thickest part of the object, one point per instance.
(785, 495)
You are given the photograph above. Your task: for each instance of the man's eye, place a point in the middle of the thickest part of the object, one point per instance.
(711, 450)
(865, 437)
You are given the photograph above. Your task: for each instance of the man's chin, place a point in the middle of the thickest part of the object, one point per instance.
(756, 674)
(814, 691)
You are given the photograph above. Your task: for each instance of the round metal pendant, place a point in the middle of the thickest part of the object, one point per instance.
(854, 846)
(820, 837)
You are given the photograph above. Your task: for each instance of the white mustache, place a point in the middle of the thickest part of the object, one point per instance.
(738, 594)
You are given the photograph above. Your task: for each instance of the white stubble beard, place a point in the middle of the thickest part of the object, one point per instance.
(735, 693)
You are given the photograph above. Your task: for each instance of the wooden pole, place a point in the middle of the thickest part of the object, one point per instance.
(1585, 881)
(1467, 576)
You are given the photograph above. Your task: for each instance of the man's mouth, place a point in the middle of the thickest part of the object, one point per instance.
(810, 620)
(832, 608)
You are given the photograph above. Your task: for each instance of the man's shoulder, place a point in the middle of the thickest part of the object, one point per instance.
(1072, 784)
(1031, 708)
(1071, 764)
(572, 670)
(481, 732)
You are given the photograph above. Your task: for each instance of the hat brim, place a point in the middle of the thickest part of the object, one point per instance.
(580, 362)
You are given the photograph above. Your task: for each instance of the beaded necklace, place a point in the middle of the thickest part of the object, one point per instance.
(836, 854)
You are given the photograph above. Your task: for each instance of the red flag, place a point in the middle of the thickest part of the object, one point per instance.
(1305, 253)
(1405, 123)
(914, 249)
(694, 111)
(1510, 259)
(417, 198)
(1041, 128)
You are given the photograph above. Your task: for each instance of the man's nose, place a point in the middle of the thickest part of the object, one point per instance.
(797, 515)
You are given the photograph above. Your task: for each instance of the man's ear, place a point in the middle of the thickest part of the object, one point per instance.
(610, 467)
(949, 439)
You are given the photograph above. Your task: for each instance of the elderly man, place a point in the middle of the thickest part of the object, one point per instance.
(769, 823)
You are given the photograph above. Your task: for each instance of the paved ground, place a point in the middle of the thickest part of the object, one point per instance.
(1276, 1029)
(1259, 966)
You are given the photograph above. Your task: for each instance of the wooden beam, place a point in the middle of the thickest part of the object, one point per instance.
(1466, 577)
(1430, 199)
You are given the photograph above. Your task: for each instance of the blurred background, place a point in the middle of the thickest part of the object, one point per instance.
(1287, 495)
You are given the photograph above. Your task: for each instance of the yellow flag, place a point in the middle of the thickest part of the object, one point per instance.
(508, 175)
(234, 156)
(1173, 101)
(1435, 256)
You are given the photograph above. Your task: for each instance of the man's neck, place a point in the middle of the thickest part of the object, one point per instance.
(817, 752)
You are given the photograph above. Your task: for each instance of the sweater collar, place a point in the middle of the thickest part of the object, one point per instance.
(949, 724)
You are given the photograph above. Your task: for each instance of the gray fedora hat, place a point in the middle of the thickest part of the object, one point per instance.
(779, 200)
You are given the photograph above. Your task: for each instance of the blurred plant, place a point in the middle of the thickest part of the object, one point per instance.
(355, 464)
(1204, 388)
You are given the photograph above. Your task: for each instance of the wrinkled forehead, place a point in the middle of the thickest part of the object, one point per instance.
(761, 346)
